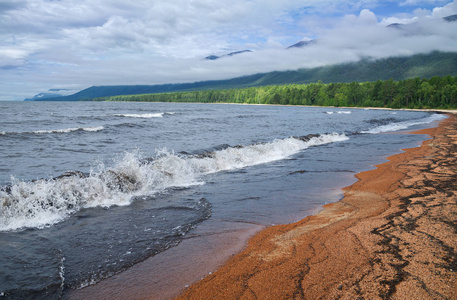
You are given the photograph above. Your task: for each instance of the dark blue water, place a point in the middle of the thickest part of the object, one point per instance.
(89, 189)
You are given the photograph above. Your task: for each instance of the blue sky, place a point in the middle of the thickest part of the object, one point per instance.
(74, 44)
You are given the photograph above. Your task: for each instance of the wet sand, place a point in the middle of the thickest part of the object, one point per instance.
(166, 274)
(393, 236)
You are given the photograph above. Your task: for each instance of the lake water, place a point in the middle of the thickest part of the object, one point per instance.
(90, 189)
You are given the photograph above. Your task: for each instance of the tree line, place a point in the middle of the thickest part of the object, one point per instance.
(436, 92)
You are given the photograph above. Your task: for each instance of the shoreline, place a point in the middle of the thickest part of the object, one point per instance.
(393, 235)
(141, 280)
(444, 111)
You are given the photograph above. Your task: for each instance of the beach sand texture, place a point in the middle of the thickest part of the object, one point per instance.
(393, 236)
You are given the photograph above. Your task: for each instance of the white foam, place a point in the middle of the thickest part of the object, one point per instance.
(236, 158)
(67, 130)
(144, 116)
(45, 202)
(62, 275)
(347, 112)
(93, 129)
(405, 124)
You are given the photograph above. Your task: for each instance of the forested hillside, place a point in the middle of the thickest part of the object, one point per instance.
(396, 68)
(437, 92)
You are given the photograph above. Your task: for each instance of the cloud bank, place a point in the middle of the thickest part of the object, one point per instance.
(74, 44)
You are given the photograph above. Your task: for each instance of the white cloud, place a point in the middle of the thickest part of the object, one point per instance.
(399, 20)
(365, 18)
(422, 2)
(422, 13)
(79, 43)
(10, 57)
(447, 10)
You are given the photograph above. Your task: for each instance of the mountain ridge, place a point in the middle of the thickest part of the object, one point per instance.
(397, 68)
(215, 57)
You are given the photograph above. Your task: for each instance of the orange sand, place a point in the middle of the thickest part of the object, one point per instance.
(393, 236)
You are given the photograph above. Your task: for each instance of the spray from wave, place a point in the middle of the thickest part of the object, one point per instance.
(43, 202)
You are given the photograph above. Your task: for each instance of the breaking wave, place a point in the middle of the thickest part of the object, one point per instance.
(347, 112)
(44, 202)
(65, 130)
(405, 124)
(145, 116)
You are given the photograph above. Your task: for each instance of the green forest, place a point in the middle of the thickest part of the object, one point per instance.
(436, 92)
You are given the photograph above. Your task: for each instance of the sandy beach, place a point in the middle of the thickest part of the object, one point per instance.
(393, 236)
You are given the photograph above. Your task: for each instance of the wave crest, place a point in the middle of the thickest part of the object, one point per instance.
(43, 202)
(144, 116)
(65, 130)
(405, 124)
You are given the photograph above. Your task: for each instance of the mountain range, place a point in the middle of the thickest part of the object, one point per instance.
(397, 68)
(215, 57)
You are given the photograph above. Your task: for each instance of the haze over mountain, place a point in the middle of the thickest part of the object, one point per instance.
(77, 44)
(408, 29)
(52, 93)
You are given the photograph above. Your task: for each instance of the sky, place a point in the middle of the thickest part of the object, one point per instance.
(70, 45)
